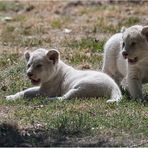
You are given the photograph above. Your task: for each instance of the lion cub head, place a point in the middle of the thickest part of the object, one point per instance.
(41, 65)
(135, 43)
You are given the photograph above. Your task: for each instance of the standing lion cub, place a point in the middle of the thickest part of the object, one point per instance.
(126, 55)
(57, 80)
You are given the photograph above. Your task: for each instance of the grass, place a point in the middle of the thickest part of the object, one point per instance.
(13, 35)
(101, 25)
(77, 118)
(131, 21)
(8, 59)
(56, 24)
(60, 22)
(85, 43)
(10, 6)
(77, 122)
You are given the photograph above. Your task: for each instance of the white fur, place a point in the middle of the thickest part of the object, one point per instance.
(134, 42)
(60, 81)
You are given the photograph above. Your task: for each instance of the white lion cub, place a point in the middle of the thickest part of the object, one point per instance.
(57, 80)
(126, 55)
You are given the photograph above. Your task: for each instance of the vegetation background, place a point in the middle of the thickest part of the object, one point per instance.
(79, 29)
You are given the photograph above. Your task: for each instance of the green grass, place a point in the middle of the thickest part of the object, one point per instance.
(80, 118)
(10, 6)
(84, 51)
(8, 59)
(56, 24)
(85, 43)
(19, 35)
(60, 22)
(102, 26)
(131, 21)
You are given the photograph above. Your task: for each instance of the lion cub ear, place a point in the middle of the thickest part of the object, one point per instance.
(145, 31)
(53, 55)
(27, 55)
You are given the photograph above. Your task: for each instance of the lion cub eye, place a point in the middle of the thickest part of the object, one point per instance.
(133, 43)
(39, 66)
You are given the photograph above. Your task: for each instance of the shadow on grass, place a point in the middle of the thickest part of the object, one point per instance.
(11, 135)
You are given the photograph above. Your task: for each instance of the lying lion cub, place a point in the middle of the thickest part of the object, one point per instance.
(60, 81)
(126, 55)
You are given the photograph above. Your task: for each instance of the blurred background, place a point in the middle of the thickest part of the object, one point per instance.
(79, 27)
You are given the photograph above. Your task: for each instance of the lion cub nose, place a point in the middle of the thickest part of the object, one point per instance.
(125, 54)
(29, 74)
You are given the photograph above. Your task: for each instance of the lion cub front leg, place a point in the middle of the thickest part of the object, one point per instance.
(134, 85)
(28, 93)
(72, 93)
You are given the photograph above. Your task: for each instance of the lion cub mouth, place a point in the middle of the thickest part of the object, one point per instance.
(133, 61)
(35, 82)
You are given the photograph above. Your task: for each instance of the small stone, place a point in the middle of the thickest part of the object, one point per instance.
(7, 18)
(67, 30)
